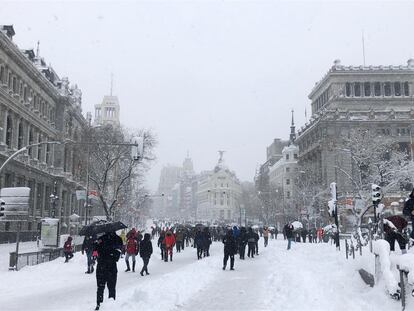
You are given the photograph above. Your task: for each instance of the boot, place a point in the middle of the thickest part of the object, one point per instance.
(231, 263)
(127, 269)
(133, 266)
(97, 307)
(171, 257)
(142, 273)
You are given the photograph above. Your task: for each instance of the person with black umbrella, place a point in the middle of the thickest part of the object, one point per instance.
(109, 248)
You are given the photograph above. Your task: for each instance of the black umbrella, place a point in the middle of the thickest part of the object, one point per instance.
(101, 226)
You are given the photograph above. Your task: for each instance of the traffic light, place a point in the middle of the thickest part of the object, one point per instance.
(376, 194)
(14, 202)
(2, 208)
(137, 150)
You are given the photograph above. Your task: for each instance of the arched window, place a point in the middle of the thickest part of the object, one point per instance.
(20, 136)
(9, 132)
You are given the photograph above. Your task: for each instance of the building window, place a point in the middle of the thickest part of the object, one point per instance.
(406, 89)
(377, 89)
(348, 89)
(397, 88)
(287, 157)
(287, 181)
(295, 156)
(287, 169)
(367, 89)
(387, 89)
(39, 149)
(287, 194)
(9, 132)
(357, 89)
(20, 136)
(2, 74)
(30, 152)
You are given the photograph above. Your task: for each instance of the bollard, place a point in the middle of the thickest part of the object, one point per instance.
(346, 248)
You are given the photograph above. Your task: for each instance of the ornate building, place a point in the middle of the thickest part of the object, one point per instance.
(108, 111)
(218, 194)
(38, 106)
(378, 98)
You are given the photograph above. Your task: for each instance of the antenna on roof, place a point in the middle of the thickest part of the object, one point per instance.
(363, 47)
(38, 49)
(112, 82)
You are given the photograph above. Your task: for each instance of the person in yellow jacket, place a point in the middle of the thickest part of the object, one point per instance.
(124, 240)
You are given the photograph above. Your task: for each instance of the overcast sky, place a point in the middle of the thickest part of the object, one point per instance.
(209, 75)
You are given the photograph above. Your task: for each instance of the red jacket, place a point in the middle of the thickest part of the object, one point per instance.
(67, 247)
(132, 246)
(169, 240)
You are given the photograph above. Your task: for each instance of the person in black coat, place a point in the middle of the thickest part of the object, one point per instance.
(198, 243)
(256, 242)
(206, 241)
(408, 211)
(229, 249)
(242, 242)
(87, 247)
(288, 230)
(145, 250)
(251, 242)
(109, 249)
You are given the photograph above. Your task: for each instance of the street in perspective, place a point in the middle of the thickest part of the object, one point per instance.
(206, 155)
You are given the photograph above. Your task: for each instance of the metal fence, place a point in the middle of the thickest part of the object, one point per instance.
(35, 258)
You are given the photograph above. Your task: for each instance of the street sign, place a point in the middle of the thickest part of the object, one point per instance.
(81, 195)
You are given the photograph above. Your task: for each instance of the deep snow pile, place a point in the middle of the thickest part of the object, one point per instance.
(308, 277)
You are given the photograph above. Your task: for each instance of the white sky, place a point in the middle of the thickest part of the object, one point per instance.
(209, 75)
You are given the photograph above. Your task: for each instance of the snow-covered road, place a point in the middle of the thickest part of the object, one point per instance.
(309, 277)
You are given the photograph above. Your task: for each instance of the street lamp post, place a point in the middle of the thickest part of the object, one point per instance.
(53, 199)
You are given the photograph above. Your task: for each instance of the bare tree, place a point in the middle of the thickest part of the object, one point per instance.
(111, 165)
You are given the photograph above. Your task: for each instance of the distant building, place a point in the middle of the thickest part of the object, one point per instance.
(218, 195)
(108, 111)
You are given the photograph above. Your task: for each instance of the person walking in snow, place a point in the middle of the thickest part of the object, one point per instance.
(87, 247)
(256, 242)
(179, 240)
(145, 251)
(132, 249)
(288, 230)
(109, 249)
(251, 243)
(242, 242)
(229, 249)
(169, 242)
(198, 243)
(161, 244)
(206, 242)
(265, 236)
(68, 249)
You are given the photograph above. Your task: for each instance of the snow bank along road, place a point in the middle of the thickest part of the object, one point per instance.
(308, 277)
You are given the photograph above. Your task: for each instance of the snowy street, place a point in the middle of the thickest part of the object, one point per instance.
(308, 277)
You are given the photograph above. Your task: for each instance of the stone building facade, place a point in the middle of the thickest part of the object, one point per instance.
(377, 98)
(38, 106)
(108, 111)
(218, 194)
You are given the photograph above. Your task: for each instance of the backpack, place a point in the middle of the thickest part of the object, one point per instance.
(408, 207)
